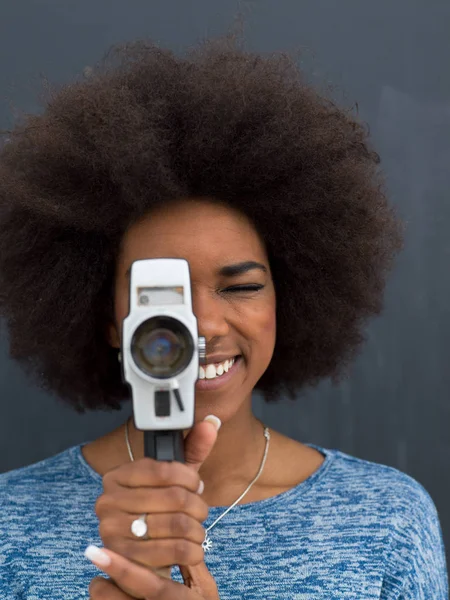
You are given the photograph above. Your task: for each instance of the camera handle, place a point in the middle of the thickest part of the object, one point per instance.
(164, 445)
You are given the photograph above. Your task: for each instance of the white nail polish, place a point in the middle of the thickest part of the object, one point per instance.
(201, 487)
(214, 420)
(97, 556)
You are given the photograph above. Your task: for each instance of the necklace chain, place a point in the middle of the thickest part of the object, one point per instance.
(207, 542)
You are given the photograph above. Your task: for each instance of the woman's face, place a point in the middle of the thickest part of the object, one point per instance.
(232, 294)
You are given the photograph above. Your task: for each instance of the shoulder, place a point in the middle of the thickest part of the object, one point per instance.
(44, 505)
(383, 497)
(376, 480)
(32, 487)
(392, 492)
(38, 497)
(48, 469)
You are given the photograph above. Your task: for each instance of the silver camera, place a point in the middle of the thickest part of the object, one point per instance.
(161, 349)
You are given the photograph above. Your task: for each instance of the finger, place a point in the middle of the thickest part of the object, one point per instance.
(200, 580)
(147, 472)
(199, 442)
(152, 500)
(138, 581)
(132, 581)
(158, 553)
(102, 589)
(170, 525)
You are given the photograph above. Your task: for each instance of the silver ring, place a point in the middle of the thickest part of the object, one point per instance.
(139, 527)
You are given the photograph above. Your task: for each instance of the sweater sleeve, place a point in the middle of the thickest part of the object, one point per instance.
(8, 588)
(415, 561)
(9, 591)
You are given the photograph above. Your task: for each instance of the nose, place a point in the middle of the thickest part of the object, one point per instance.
(211, 315)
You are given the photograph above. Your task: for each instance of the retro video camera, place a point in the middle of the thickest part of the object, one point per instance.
(161, 353)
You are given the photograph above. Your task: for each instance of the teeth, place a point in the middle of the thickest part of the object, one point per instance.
(212, 371)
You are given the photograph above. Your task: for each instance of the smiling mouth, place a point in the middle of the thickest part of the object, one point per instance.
(216, 370)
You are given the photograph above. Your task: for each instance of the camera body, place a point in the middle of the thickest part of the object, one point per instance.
(161, 349)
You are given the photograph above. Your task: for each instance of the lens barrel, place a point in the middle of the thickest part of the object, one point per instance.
(162, 347)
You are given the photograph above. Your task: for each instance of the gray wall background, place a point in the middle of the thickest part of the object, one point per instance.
(389, 56)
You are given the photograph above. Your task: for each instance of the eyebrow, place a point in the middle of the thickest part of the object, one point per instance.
(240, 268)
(232, 270)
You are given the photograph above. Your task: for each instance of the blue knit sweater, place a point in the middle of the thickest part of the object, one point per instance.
(353, 530)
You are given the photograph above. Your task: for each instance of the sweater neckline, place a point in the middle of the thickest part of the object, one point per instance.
(300, 489)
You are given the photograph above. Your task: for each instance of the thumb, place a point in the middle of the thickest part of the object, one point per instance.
(200, 441)
(200, 580)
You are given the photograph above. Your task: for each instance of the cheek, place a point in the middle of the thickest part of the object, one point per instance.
(264, 332)
(269, 328)
(269, 320)
(264, 323)
(269, 325)
(121, 309)
(121, 302)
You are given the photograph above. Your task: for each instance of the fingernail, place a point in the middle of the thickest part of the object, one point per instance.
(201, 487)
(214, 420)
(97, 556)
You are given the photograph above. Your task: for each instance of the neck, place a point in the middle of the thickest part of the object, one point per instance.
(234, 460)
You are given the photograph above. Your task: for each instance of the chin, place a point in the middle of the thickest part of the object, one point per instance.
(224, 406)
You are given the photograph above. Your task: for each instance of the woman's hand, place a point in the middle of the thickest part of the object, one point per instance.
(168, 494)
(141, 583)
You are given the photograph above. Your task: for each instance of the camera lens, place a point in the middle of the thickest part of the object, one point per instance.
(162, 347)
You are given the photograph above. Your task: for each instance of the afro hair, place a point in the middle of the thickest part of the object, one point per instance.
(148, 127)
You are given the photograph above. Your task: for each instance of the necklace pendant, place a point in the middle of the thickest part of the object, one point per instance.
(207, 543)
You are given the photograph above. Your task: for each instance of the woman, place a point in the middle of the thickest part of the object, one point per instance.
(229, 160)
